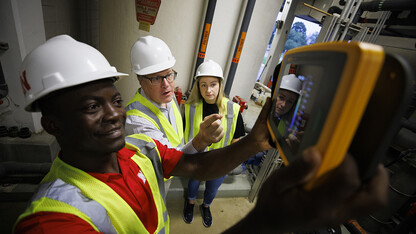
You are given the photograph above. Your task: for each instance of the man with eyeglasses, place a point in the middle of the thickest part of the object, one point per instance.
(153, 110)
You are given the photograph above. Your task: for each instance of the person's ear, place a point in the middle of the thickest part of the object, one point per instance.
(51, 125)
(139, 79)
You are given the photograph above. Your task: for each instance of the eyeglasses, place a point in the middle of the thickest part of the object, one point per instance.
(157, 80)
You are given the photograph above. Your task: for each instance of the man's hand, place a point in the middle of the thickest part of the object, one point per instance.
(210, 131)
(283, 205)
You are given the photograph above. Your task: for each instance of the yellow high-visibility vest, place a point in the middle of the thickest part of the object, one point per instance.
(142, 107)
(193, 117)
(66, 189)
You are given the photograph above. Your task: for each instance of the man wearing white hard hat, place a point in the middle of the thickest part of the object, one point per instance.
(102, 182)
(153, 110)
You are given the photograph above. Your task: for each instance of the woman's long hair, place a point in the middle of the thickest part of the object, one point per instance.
(196, 96)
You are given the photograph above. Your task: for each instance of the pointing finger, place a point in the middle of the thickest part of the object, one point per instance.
(210, 119)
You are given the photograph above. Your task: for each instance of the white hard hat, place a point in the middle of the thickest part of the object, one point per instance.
(150, 55)
(291, 82)
(59, 63)
(209, 68)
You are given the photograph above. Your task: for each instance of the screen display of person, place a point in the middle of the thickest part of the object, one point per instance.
(302, 100)
(293, 104)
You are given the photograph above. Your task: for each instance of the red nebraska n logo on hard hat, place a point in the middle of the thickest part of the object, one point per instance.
(25, 84)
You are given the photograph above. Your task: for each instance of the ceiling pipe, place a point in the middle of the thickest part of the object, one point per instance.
(239, 46)
(394, 21)
(334, 9)
(209, 15)
(388, 5)
(384, 5)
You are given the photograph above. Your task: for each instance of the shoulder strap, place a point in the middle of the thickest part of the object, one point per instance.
(150, 163)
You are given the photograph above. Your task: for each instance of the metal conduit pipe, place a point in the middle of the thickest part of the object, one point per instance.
(376, 31)
(386, 15)
(347, 9)
(344, 14)
(388, 5)
(328, 32)
(362, 36)
(354, 12)
(372, 35)
(239, 46)
(209, 15)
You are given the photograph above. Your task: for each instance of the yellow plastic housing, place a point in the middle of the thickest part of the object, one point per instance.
(362, 67)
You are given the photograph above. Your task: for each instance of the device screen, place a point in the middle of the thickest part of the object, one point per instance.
(292, 109)
(302, 99)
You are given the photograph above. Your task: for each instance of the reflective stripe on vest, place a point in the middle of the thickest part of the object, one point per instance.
(193, 115)
(88, 197)
(140, 106)
(149, 149)
(71, 195)
(151, 166)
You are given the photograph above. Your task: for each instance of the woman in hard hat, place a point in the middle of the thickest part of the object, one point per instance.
(288, 95)
(206, 98)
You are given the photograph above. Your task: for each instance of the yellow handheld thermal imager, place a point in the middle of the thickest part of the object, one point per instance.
(326, 92)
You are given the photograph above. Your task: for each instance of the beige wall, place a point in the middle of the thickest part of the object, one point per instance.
(60, 17)
(179, 24)
(258, 36)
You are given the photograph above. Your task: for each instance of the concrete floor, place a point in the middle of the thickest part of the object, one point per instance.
(225, 213)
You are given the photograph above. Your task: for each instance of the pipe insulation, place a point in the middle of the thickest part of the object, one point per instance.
(239, 46)
(209, 15)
